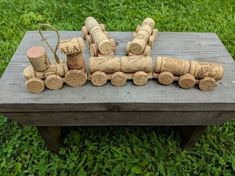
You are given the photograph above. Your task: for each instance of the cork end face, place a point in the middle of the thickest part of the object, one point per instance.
(221, 72)
(105, 47)
(149, 21)
(158, 64)
(135, 48)
(36, 52)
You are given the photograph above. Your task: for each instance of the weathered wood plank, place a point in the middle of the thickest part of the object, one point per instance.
(152, 97)
(120, 118)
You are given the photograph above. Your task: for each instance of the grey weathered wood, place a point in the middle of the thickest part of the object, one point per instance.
(121, 118)
(152, 97)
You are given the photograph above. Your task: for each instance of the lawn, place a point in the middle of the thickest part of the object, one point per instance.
(116, 150)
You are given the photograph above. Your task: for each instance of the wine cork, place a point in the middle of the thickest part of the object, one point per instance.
(99, 78)
(84, 32)
(165, 78)
(141, 38)
(59, 69)
(176, 66)
(38, 58)
(106, 64)
(71, 46)
(207, 84)
(75, 78)
(140, 78)
(110, 55)
(53, 82)
(93, 50)
(187, 81)
(118, 79)
(99, 37)
(76, 61)
(147, 51)
(89, 40)
(130, 64)
(35, 85)
(205, 69)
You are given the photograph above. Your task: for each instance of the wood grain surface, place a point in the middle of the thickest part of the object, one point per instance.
(151, 97)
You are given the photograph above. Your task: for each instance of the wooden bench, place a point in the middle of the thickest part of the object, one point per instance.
(152, 104)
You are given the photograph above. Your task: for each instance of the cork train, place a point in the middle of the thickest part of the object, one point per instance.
(103, 65)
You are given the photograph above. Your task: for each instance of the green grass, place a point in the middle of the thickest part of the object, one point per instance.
(116, 150)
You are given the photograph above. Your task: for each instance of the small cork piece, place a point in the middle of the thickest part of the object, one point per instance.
(110, 55)
(176, 66)
(166, 78)
(147, 51)
(137, 28)
(75, 78)
(76, 61)
(105, 64)
(98, 35)
(154, 34)
(127, 47)
(102, 26)
(113, 43)
(84, 32)
(89, 40)
(187, 81)
(93, 50)
(118, 79)
(207, 84)
(151, 41)
(99, 78)
(35, 85)
(141, 38)
(53, 82)
(140, 78)
(204, 69)
(71, 46)
(38, 58)
(131, 64)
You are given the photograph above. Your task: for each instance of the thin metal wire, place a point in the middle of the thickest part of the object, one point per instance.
(45, 40)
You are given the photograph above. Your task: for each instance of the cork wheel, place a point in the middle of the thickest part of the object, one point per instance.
(93, 50)
(53, 82)
(35, 85)
(147, 51)
(207, 84)
(84, 32)
(166, 78)
(118, 79)
(187, 81)
(75, 78)
(99, 78)
(140, 78)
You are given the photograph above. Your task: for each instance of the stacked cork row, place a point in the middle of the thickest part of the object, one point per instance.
(100, 41)
(104, 66)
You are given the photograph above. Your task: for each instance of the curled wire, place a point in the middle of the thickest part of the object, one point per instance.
(45, 40)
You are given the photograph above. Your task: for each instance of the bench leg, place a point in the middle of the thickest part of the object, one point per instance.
(190, 135)
(53, 137)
